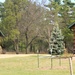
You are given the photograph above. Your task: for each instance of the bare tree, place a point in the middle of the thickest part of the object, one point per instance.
(29, 26)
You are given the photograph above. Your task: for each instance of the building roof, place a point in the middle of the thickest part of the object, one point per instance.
(1, 34)
(71, 25)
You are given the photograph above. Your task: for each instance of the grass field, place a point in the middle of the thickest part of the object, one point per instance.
(28, 65)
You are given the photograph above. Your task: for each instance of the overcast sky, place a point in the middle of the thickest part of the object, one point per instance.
(33, 0)
(37, 0)
(2, 0)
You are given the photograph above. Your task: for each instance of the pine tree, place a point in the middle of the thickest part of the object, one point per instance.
(56, 43)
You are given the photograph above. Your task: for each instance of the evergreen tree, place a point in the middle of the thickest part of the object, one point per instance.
(56, 43)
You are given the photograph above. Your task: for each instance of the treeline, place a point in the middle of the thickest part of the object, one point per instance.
(27, 25)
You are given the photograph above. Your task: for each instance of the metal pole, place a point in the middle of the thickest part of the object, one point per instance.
(70, 64)
(51, 60)
(38, 58)
(51, 63)
(59, 61)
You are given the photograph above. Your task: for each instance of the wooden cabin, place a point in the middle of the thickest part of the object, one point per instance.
(72, 28)
(1, 36)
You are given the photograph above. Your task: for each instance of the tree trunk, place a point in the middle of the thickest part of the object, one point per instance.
(26, 36)
(16, 46)
(31, 47)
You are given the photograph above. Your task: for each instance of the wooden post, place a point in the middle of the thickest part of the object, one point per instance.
(70, 64)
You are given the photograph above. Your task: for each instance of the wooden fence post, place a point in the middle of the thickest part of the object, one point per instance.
(70, 64)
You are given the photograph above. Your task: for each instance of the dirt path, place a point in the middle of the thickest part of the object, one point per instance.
(15, 55)
(21, 55)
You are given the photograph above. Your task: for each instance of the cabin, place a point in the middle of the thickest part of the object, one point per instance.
(1, 36)
(72, 28)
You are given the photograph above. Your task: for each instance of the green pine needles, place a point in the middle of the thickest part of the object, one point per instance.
(56, 41)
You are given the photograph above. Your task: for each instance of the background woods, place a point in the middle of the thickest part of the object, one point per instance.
(27, 25)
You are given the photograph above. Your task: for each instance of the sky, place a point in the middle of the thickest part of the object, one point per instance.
(2, 0)
(33, 0)
(36, 0)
